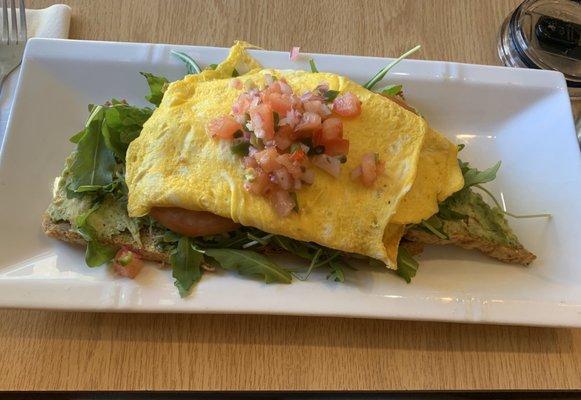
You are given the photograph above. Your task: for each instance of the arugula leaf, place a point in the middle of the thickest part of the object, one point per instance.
(379, 76)
(330, 95)
(434, 226)
(337, 273)
(407, 267)
(77, 137)
(121, 125)
(185, 262)
(473, 176)
(93, 163)
(313, 65)
(248, 262)
(191, 66)
(461, 147)
(235, 73)
(212, 66)
(392, 90)
(96, 253)
(157, 86)
(300, 249)
(446, 213)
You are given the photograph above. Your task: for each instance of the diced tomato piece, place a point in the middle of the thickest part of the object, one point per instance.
(262, 121)
(337, 147)
(127, 263)
(283, 142)
(257, 181)
(309, 122)
(368, 169)
(241, 105)
(313, 106)
(223, 127)
(332, 129)
(267, 159)
(278, 103)
(284, 137)
(292, 166)
(347, 105)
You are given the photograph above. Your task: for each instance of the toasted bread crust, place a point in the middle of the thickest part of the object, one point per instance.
(63, 231)
(507, 254)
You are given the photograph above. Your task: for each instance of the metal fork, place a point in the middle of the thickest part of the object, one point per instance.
(12, 40)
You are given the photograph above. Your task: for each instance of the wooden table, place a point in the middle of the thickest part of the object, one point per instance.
(85, 351)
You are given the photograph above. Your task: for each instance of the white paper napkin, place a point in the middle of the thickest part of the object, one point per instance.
(51, 22)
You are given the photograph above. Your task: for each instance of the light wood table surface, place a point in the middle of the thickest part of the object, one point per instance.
(87, 351)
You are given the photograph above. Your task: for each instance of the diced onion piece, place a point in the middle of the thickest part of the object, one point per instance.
(308, 177)
(310, 122)
(262, 121)
(332, 129)
(292, 166)
(356, 173)
(331, 165)
(282, 178)
(294, 53)
(283, 202)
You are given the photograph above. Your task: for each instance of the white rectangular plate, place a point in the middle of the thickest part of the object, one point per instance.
(522, 117)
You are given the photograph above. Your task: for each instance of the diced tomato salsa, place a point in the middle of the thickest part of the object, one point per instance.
(280, 136)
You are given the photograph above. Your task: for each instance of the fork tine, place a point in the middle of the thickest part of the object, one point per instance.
(14, 27)
(22, 34)
(5, 34)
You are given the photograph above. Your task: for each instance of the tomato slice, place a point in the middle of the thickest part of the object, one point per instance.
(192, 223)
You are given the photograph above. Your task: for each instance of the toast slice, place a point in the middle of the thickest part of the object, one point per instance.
(483, 228)
(148, 250)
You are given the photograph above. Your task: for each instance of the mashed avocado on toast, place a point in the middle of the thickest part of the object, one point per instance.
(90, 198)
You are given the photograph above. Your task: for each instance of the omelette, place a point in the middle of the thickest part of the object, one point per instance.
(174, 163)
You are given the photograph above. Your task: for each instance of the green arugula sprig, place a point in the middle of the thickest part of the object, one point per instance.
(407, 266)
(313, 66)
(392, 90)
(102, 145)
(381, 73)
(96, 253)
(191, 65)
(157, 87)
(186, 264)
